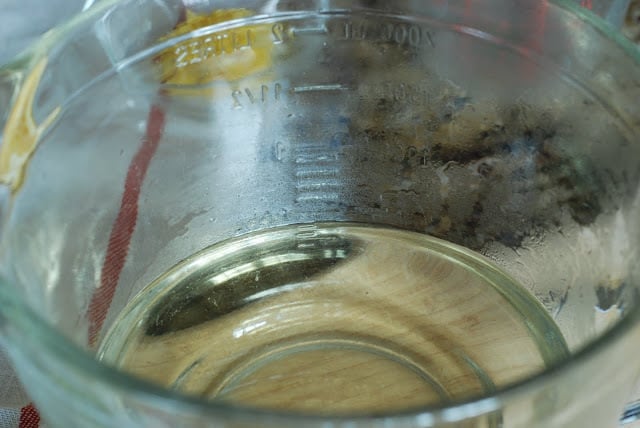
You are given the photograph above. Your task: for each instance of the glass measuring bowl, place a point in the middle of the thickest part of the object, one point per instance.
(461, 155)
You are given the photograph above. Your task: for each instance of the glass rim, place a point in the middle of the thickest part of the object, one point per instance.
(38, 332)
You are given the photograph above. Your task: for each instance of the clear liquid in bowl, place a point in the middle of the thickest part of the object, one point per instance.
(334, 318)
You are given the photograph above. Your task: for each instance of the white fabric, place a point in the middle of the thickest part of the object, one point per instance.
(9, 418)
(11, 393)
(12, 396)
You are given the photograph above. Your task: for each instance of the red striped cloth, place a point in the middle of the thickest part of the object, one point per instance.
(124, 226)
(29, 417)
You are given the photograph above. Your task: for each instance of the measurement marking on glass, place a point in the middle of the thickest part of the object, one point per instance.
(312, 30)
(319, 196)
(316, 159)
(316, 172)
(320, 88)
(303, 173)
(264, 94)
(273, 92)
(318, 185)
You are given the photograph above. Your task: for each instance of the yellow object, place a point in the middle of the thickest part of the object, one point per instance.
(21, 133)
(226, 55)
